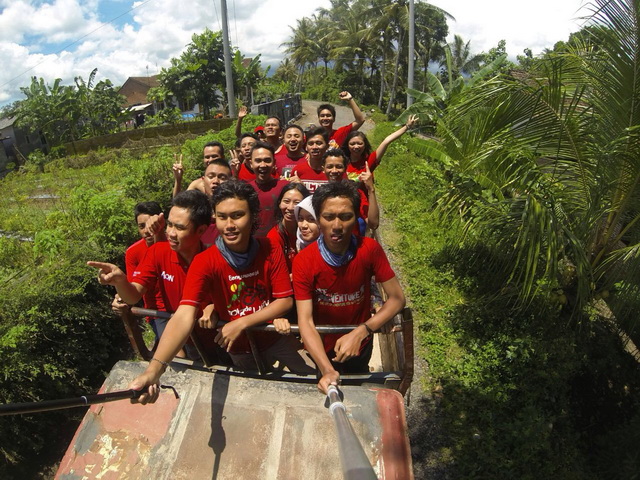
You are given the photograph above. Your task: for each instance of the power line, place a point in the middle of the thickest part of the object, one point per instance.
(235, 23)
(76, 41)
(215, 9)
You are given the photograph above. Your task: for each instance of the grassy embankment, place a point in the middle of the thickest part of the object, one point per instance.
(58, 337)
(514, 393)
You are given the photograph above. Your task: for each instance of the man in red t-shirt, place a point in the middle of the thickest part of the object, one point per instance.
(134, 255)
(165, 264)
(211, 151)
(247, 281)
(293, 152)
(327, 117)
(309, 171)
(267, 187)
(332, 282)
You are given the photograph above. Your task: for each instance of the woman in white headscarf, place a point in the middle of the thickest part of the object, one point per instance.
(308, 228)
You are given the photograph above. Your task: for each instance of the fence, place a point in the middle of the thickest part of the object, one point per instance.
(286, 109)
(117, 140)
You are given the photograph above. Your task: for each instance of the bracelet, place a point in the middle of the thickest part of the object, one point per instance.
(369, 331)
(165, 364)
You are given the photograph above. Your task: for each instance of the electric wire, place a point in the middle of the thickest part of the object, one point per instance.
(47, 58)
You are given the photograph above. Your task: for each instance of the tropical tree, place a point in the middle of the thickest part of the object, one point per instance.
(546, 168)
(199, 71)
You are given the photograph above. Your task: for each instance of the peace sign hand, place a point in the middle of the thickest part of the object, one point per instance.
(177, 168)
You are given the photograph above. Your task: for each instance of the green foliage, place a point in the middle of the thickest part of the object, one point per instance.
(198, 72)
(166, 116)
(519, 392)
(66, 113)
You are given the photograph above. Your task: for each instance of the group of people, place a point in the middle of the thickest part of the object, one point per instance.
(284, 218)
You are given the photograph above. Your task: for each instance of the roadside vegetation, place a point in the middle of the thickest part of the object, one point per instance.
(58, 337)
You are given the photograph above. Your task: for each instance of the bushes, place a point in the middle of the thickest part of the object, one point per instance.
(520, 392)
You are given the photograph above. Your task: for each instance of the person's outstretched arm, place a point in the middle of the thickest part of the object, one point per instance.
(173, 338)
(241, 114)
(382, 148)
(110, 274)
(358, 116)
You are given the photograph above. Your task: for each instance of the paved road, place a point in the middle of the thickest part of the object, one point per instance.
(343, 115)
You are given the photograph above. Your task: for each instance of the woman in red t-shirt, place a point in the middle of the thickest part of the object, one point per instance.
(284, 232)
(358, 149)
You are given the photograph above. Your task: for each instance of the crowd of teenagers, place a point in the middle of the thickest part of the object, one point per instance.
(277, 233)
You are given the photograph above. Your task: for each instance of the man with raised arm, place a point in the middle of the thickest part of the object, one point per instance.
(327, 117)
(332, 281)
(165, 264)
(247, 281)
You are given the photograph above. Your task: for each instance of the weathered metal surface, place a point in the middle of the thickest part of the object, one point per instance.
(231, 427)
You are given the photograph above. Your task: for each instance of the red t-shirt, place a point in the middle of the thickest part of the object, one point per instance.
(164, 269)
(285, 164)
(237, 294)
(247, 176)
(268, 195)
(339, 136)
(209, 236)
(340, 295)
(353, 171)
(132, 258)
(311, 178)
(287, 244)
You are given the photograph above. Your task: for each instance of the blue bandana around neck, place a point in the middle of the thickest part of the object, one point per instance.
(238, 261)
(336, 260)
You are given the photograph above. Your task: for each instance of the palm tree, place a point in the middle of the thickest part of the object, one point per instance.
(546, 167)
(463, 61)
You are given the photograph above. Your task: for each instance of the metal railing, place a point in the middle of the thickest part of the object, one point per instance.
(400, 331)
(286, 109)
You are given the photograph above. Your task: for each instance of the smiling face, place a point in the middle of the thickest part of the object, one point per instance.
(287, 205)
(294, 140)
(316, 146)
(326, 119)
(334, 168)
(233, 221)
(308, 226)
(356, 146)
(337, 220)
(182, 234)
(262, 164)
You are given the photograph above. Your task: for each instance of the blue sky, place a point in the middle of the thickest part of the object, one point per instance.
(66, 38)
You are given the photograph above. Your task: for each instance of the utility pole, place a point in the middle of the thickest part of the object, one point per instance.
(228, 70)
(412, 47)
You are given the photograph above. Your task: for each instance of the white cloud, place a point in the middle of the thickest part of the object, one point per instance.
(159, 29)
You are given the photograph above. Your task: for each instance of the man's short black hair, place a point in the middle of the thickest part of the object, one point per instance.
(366, 151)
(277, 118)
(335, 152)
(327, 106)
(312, 132)
(242, 191)
(215, 144)
(293, 125)
(198, 205)
(220, 162)
(244, 135)
(345, 188)
(146, 208)
(261, 144)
